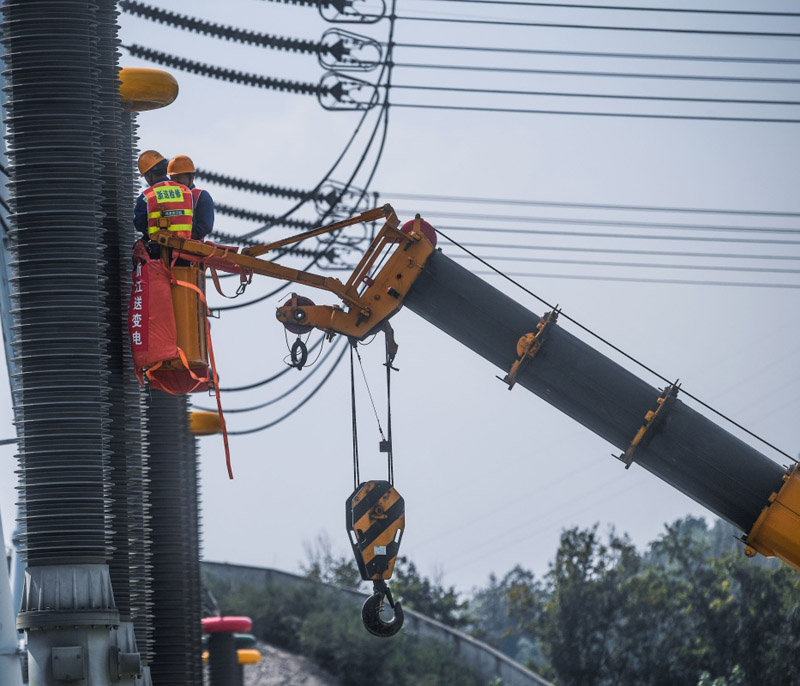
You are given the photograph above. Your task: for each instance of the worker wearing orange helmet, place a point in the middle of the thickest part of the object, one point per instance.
(164, 204)
(181, 169)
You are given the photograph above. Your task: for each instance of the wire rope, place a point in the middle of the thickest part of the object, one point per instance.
(616, 348)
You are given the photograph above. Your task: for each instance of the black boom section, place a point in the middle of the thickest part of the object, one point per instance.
(684, 448)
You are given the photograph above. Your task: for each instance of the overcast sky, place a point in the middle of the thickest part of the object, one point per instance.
(491, 477)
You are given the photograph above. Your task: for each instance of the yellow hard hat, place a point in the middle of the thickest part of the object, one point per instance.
(181, 164)
(149, 159)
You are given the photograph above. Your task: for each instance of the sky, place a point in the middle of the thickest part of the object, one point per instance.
(491, 477)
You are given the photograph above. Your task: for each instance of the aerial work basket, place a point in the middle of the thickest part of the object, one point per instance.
(168, 325)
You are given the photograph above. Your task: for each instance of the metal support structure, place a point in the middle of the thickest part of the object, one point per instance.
(10, 657)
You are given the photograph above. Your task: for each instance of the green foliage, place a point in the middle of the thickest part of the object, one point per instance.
(690, 610)
(426, 596)
(317, 622)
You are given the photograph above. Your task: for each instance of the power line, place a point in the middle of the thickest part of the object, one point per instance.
(603, 74)
(596, 27)
(624, 8)
(608, 222)
(613, 55)
(283, 395)
(296, 407)
(617, 348)
(268, 380)
(585, 205)
(510, 110)
(607, 96)
(634, 279)
(646, 237)
(623, 251)
(638, 265)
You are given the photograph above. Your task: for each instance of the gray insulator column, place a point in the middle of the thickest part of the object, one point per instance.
(126, 410)
(176, 565)
(686, 450)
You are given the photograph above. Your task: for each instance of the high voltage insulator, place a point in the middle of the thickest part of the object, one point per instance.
(224, 74)
(254, 186)
(262, 217)
(263, 40)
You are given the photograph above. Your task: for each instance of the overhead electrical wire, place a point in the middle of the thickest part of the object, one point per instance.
(608, 222)
(283, 395)
(583, 205)
(598, 27)
(624, 251)
(288, 414)
(270, 379)
(645, 237)
(602, 74)
(616, 348)
(231, 33)
(606, 96)
(638, 265)
(624, 8)
(630, 115)
(613, 55)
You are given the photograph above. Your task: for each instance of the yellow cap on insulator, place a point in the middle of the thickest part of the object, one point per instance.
(146, 89)
(248, 656)
(204, 423)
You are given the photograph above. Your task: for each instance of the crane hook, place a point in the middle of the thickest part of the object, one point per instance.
(371, 612)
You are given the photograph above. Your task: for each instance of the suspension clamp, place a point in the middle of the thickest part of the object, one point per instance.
(530, 344)
(651, 419)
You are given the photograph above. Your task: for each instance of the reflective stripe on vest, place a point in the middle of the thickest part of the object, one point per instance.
(170, 206)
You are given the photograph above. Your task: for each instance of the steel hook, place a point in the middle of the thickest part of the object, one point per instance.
(371, 612)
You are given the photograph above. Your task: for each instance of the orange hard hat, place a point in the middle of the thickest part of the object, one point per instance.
(181, 164)
(149, 159)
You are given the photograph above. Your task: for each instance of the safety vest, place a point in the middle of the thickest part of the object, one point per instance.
(196, 195)
(170, 206)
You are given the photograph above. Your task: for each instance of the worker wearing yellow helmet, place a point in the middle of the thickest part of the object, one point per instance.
(164, 204)
(181, 169)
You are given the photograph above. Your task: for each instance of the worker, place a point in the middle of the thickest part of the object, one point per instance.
(181, 169)
(164, 204)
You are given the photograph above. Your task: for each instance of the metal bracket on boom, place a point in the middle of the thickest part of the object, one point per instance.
(373, 293)
(530, 344)
(651, 419)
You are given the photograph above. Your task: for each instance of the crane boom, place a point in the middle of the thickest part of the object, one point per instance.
(687, 450)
